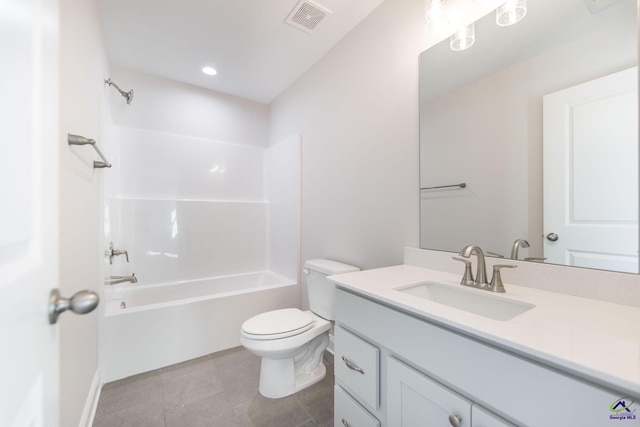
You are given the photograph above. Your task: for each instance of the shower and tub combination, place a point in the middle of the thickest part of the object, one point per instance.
(210, 230)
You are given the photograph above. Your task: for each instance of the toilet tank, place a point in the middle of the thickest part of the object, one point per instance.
(321, 291)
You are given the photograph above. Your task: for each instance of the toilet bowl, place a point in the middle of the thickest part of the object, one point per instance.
(291, 342)
(291, 355)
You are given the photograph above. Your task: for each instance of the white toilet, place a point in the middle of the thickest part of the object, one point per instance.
(290, 341)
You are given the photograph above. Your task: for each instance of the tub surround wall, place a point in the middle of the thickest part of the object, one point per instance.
(282, 187)
(174, 240)
(162, 166)
(187, 208)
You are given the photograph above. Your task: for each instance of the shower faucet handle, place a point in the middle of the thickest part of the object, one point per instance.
(111, 253)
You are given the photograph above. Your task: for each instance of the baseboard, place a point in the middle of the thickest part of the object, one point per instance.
(91, 404)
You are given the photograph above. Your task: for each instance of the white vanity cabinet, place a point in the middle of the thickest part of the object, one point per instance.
(414, 399)
(427, 372)
(357, 390)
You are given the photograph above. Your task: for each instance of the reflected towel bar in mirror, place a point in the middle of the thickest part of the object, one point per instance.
(461, 185)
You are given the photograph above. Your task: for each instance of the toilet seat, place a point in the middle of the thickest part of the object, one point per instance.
(278, 324)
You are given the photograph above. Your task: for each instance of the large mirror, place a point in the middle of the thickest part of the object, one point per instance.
(539, 123)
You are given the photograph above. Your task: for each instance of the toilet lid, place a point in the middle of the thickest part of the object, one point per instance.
(278, 324)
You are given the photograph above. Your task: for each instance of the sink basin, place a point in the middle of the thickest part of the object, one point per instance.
(489, 305)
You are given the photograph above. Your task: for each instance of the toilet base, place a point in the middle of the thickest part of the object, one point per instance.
(286, 376)
(275, 388)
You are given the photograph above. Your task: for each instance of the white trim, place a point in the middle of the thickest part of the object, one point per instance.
(331, 344)
(91, 404)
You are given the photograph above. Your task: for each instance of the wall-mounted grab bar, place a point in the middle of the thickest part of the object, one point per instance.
(461, 185)
(81, 140)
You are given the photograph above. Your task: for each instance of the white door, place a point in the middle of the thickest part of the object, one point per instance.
(28, 211)
(591, 173)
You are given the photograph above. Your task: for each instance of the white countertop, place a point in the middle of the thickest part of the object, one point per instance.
(598, 341)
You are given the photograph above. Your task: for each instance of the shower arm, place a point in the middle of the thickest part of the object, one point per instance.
(127, 95)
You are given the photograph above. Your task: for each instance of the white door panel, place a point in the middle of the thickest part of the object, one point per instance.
(29, 213)
(591, 173)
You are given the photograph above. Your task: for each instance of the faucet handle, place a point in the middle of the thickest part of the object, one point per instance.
(467, 278)
(496, 280)
(111, 252)
(125, 253)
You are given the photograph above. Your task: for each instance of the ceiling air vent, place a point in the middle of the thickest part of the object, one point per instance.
(307, 15)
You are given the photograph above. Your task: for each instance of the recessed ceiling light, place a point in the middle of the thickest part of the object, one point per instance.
(210, 71)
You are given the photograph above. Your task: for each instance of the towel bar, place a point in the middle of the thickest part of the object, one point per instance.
(81, 140)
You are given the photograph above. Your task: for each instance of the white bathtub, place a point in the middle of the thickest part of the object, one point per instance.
(151, 326)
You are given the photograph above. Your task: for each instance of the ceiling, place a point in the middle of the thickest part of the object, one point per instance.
(256, 54)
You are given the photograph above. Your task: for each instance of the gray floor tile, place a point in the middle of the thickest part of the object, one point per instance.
(317, 400)
(212, 411)
(186, 383)
(139, 390)
(141, 415)
(215, 390)
(264, 412)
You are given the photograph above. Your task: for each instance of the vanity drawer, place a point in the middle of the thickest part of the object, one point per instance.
(357, 366)
(348, 412)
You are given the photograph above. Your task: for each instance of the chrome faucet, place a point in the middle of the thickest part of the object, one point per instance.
(519, 243)
(481, 275)
(112, 252)
(480, 282)
(114, 280)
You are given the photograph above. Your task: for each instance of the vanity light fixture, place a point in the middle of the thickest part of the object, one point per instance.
(511, 12)
(435, 16)
(463, 38)
(209, 71)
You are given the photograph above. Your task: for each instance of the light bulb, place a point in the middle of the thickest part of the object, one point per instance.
(511, 12)
(435, 17)
(463, 38)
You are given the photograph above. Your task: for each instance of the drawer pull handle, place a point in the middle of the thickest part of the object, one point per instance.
(345, 423)
(352, 366)
(455, 420)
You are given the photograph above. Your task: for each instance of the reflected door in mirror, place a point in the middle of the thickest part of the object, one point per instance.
(590, 179)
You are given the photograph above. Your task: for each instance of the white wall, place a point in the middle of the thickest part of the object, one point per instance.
(167, 106)
(282, 188)
(83, 65)
(357, 112)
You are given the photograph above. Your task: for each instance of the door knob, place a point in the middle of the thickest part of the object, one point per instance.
(552, 237)
(80, 303)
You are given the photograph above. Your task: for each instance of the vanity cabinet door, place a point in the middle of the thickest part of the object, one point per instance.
(416, 400)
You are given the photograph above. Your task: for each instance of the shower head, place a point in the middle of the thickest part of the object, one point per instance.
(127, 95)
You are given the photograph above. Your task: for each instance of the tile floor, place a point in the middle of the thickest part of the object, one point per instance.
(220, 389)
